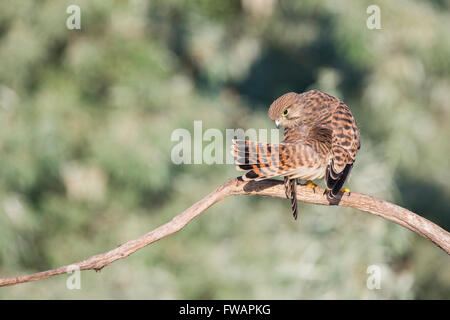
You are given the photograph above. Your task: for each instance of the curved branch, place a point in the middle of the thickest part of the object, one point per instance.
(272, 188)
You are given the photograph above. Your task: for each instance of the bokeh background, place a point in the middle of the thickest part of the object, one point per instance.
(86, 118)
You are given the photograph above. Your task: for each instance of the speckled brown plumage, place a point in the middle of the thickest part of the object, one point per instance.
(321, 139)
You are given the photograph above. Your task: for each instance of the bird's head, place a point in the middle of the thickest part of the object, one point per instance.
(294, 109)
(287, 110)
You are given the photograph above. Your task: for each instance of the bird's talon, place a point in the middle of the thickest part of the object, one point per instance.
(312, 185)
(344, 190)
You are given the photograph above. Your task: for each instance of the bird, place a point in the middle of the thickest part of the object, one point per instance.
(321, 140)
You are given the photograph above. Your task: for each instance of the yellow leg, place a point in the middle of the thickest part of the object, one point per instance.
(312, 185)
(343, 190)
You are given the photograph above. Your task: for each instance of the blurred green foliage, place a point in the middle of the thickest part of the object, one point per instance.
(86, 118)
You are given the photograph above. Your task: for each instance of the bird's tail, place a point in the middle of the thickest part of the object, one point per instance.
(265, 160)
(261, 160)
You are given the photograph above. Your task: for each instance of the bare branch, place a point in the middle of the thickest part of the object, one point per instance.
(272, 188)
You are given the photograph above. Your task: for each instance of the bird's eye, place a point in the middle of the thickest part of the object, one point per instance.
(285, 112)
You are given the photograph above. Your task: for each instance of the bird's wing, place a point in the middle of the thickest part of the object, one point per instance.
(344, 146)
(265, 160)
(290, 186)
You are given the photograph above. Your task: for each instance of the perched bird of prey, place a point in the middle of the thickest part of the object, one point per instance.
(321, 139)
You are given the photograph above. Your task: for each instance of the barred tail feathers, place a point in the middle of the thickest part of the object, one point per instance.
(261, 160)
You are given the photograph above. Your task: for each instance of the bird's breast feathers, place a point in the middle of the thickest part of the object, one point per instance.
(307, 173)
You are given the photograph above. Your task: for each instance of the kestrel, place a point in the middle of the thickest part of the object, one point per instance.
(321, 139)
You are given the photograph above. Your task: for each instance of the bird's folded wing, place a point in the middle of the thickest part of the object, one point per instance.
(344, 146)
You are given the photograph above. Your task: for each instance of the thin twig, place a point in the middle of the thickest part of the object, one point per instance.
(272, 188)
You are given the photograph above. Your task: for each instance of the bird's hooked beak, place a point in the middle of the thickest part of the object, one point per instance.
(278, 123)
